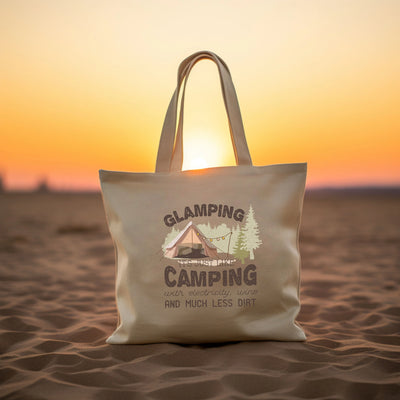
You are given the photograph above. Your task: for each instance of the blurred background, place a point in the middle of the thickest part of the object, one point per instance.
(84, 85)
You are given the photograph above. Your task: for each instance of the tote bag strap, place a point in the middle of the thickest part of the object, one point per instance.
(170, 157)
(183, 73)
(238, 137)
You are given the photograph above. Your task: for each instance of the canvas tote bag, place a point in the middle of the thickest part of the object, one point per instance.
(206, 255)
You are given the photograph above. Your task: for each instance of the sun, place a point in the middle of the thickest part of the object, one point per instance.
(198, 163)
(202, 149)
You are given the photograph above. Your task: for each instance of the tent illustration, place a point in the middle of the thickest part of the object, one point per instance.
(190, 243)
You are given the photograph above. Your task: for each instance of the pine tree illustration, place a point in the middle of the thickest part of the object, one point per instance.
(235, 235)
(251, 233)
(239, 250)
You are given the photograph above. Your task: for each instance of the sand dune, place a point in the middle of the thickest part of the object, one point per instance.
(57, 308)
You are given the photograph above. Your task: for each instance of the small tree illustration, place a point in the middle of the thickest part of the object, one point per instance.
(239, 250)
(251, 233)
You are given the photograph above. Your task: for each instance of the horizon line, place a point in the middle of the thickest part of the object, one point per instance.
(317, 188)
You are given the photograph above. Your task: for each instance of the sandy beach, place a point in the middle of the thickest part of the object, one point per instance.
(57, 308)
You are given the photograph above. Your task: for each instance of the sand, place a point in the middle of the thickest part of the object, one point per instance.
(57, 308)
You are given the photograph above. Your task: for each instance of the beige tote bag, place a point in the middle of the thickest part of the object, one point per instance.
(207, 255)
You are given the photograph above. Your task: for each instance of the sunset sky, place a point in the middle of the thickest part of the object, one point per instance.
(84, 85)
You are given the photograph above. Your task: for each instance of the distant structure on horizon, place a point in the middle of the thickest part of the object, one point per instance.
(2, 188)
(42, 186)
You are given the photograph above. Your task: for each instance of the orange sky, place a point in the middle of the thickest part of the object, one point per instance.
(85, 85)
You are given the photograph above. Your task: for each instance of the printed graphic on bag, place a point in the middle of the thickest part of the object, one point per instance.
(217, 259)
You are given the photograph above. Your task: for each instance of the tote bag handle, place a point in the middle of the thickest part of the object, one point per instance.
(238, 137)
(170, 157)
